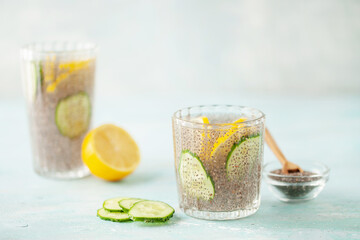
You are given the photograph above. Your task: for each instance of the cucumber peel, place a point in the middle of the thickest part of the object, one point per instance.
(242, 157)
(72, 115)
(34, 71)
(194, 178)
(147, 211)
(112, 216)
(151, 211)
(127, 203)
(112, 204)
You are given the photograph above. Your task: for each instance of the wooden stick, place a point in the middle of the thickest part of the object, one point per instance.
(274, 147)
(287, 166)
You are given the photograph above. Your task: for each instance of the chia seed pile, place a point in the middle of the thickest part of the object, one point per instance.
(298, 186)
(229, 195)
(53, 152)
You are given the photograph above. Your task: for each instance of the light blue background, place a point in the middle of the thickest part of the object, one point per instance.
(278, 46)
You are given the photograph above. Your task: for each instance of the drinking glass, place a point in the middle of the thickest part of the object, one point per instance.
(58, 80)
(218, 160)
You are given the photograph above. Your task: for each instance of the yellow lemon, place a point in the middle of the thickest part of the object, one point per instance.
(201, 119)
(110, 152)
(205, 119)
(227, 135)
(204, 137)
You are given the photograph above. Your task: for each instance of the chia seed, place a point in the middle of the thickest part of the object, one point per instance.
(299, 184)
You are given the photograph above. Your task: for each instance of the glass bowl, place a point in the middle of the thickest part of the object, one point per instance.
(290, 188)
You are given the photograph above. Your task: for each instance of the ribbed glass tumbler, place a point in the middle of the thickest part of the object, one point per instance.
(58, 80)
(218, 160)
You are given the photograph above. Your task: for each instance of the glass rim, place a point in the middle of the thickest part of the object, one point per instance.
(218, 124)
(323, 172)
(30, 47)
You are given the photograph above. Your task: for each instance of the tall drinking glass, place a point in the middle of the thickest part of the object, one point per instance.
(58, 80)
(218, 160)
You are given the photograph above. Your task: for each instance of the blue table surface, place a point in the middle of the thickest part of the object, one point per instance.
(325, 129)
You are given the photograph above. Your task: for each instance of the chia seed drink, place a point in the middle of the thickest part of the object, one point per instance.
(218, 160)
(58, 83)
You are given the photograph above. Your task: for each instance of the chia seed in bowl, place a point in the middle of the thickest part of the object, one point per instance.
(296, 187)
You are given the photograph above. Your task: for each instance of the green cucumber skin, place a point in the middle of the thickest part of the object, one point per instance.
(128, 209)
(112, 220)
(202, 165)
(243, 139)
(155, 219)
(192, 154)
(38, 75)
(124, 209)
(41, 74)
(112, 210)
(58, 125)
(151, 220)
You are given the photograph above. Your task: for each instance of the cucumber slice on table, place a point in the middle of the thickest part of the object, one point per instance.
(194, 178)
(72, 114)
(242, 157)
(151, 211)
(126, 204)
(112, 216)
(112, 204)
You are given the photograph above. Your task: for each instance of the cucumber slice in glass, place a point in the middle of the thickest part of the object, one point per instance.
(151, 211)
(112, 216)
(34, 72)
(126, 204)
(242, 157)
(112, 204)
(194, 178)
(72, 115)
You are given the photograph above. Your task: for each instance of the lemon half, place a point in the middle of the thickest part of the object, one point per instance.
(110, 152)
